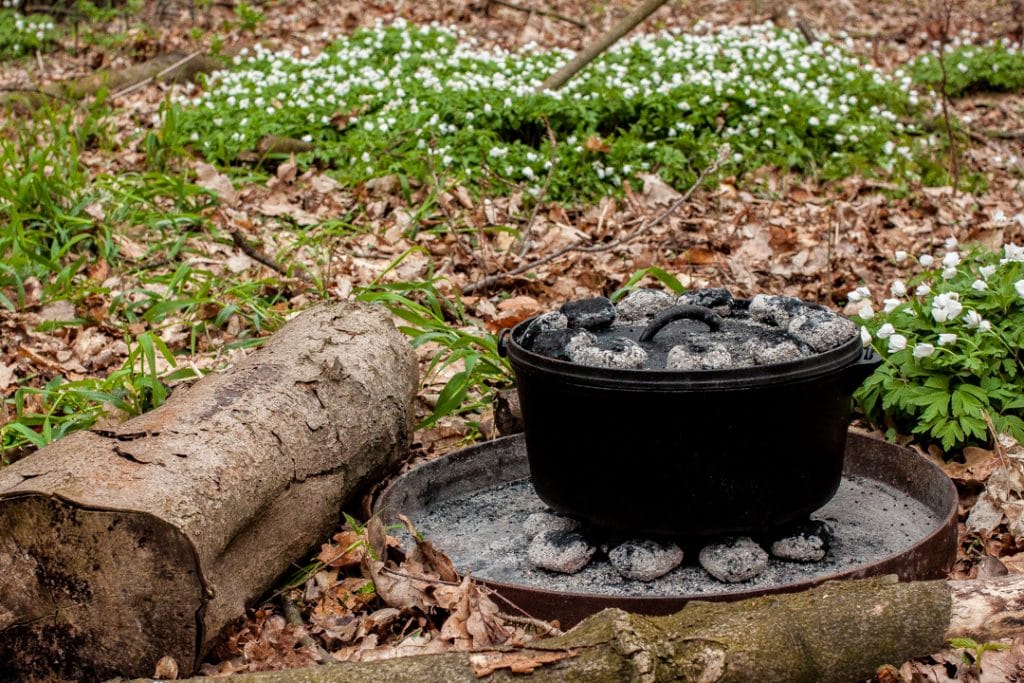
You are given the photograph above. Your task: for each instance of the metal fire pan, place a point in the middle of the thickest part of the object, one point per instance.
(504, 460)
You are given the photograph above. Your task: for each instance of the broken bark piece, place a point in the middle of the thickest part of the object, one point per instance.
(121, 547)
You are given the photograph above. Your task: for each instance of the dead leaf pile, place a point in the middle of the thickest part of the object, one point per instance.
(369, 600)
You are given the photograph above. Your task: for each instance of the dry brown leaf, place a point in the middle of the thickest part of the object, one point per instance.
(208, 178)
(277, 205)
(523, 662)
(6, 376)
(976, 468)
(346, 551)
(432, 558)
(596, 144)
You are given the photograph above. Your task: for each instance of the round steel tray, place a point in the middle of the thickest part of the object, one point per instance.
(504, 460)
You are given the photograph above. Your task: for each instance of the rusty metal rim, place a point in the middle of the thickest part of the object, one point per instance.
(903, 469)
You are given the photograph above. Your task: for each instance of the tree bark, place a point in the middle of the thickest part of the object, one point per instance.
(119, 547)
(839, 631)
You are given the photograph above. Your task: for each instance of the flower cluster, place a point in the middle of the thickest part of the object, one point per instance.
(952, 336)
(22, 34)
(421, 100)
(994, 66)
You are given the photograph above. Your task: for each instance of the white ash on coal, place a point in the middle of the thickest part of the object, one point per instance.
(594, 313)
(643, 559)
(617, 352)
(549, 521)
(766, 330)
(640, 305)
(734, 559)
(560, 550)
(807, 542)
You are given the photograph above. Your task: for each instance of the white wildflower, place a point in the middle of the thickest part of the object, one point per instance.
(898, 288)
(900, 256)
(923, 350)
(866, 311)
(987, 271)
(972, 319)
(865, 336)
(946, 307)
(947, 338)
(885, 331)
(979, 286)
(1019, 286)
(949, 273)
(923, 289)
(926, 260)
(897, 342)
(891, 305)
(951, 260)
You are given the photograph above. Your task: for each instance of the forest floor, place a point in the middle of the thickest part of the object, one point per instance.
(777, 233)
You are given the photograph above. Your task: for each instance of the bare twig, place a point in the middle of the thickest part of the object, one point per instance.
(252, 252)
(581, 244)
(589, 53)
(544, 626)
(807, 31)
(542, 12)
(127, 90)
(413, 577)
(294, 617)
(525, 240)
(954, 161)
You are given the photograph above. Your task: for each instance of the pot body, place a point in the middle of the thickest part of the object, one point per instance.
(687, 454)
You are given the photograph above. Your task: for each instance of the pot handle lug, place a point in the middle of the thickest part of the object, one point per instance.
(859, 371)
(682, 312)
(503, 338)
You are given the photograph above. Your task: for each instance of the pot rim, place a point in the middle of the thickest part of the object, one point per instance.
(834, 360)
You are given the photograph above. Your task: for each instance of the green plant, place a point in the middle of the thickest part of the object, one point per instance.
(248, 16)
(952, 339)
(21, 35)
(433, 318)
(993, 67)
(976, 649)
(65, 407)
(410, 101)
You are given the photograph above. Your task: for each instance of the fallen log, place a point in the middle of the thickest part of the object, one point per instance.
(123, 546)
(840, 631)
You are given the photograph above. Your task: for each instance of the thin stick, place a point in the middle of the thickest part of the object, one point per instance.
(589, 53)
(547, 628)
(524, 247)
(954, 161)
(579, 245)
(413, 577)
(127, 90)
(252, 252)
(542, 12)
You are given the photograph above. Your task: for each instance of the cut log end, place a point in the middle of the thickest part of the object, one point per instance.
(121, 583)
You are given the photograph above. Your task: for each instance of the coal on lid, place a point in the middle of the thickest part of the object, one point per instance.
(763, 331)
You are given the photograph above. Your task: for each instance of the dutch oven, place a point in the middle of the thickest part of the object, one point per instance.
(687, 454)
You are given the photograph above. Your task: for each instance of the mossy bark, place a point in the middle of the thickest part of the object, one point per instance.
(839, 631)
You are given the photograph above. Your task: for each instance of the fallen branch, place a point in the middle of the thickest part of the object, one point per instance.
(255, 254)
(589, 53)
(124, 545)
(581, 245)
(163, 73)
(541, 12)
(839, 631)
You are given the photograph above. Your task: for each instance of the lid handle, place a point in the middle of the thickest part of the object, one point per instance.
(681, 312)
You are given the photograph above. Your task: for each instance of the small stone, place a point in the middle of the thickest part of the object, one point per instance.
(776, 311)
(553, 343)
(543, 323)
(641, 305)
(712, 297)
(699, 356)
(620, 353)
(734, 559)
(822, 330)
(590, 314)
(645, 559)
(806, 542)
(565, 552)
(548, 521)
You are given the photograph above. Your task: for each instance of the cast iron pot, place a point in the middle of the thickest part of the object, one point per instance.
(687, 454)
